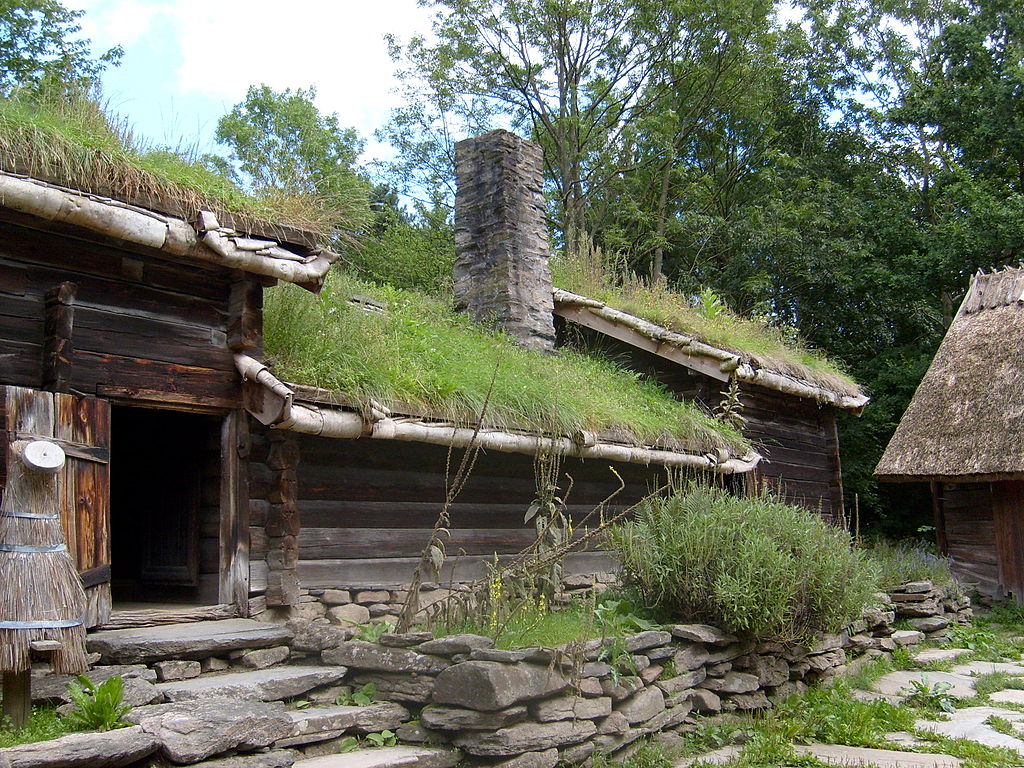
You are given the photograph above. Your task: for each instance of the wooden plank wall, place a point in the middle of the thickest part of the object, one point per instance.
(796, 436)
(140, 323)
(366, 507)
(967, 512)
(1008, 513)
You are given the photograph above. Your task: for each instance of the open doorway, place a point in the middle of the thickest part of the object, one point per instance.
(164, 507)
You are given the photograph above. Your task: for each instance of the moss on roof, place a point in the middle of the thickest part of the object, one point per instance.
(73, 142)
(708, 320)
(420, 355)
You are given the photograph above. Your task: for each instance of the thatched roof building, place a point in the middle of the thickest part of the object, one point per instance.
(966, 421)
(964, 432)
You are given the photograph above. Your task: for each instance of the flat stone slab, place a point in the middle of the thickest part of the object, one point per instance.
(385, 757)
(1009, 696)
(929, 655)
(83, 750)
(275, 684)
(375, 718)
(196, 640)
(718, 757)
(901, 683)
(970, 724)
(835, 754)
(987, 667)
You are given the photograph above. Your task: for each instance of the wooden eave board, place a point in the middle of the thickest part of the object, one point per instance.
(582, 315)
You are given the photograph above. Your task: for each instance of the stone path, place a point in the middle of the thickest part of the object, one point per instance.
(928, 655)
(879, 758)
(970, 724)
(899, 683)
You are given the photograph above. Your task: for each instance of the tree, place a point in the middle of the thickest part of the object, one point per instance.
(39, 45)
(284, 146)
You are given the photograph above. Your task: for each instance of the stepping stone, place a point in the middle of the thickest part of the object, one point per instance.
(385, 757)
(928, 655)
(110, 749)
(1008, 697)
(323, 723)
(986, 667)
(901, 683)
(970, 724)
(196, 640)
(718, 757)
(835, 754)
(275, 684)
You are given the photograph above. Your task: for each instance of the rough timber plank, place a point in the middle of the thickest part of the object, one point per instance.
(386, 757)
(184, 641)
(274, 684)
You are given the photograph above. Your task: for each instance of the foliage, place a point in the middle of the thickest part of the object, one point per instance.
(285, 148)
(98, 707)
(831, 715)
(1006, 612)
(70, 139)
(900, 563)
(382, 739)
(44, 723)
(371, 632)
(990, 682)
(922, 693)
(647, 755)
(348, 744)
(361, 698)
(419, 354)
(986, 644)
(40, 46)
(755, 566)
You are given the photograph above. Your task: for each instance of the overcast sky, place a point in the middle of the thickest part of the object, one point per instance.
(187, 62)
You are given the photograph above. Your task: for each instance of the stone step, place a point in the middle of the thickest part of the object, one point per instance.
(323, 723)
(385, 757)
(198, 640)
(274, 684)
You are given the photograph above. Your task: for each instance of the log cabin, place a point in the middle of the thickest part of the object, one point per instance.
(963, 433)
(131, 326)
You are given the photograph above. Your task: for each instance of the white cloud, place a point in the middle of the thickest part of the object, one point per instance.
(227, 45)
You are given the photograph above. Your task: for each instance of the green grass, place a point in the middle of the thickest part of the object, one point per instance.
(73, 141)
(421, 356)
(44, 724)
(990, 682)
(707, 319)
(529, 627)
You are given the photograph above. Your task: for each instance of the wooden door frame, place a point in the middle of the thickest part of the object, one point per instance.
(233, 581)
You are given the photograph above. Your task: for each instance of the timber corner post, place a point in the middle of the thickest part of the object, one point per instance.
(502, 276)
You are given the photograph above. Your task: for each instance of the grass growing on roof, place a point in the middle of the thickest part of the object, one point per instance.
(420, 354)
(71, 140)
(596, 275)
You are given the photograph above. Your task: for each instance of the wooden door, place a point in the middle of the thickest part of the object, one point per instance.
(1008, 512)
(81, 426)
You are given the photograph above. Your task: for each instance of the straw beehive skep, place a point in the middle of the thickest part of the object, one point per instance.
(41, 595)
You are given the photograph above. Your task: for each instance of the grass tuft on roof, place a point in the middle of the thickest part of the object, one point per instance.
(70, 140)
(419, 355)
(594, 274)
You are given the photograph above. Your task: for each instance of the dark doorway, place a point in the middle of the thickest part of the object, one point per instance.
(164, 506)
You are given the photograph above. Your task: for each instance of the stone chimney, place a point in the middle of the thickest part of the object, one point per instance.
(502, 276)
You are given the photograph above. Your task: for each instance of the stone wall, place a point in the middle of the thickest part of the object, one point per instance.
(930, 609)
(536, 706)
(502, 276)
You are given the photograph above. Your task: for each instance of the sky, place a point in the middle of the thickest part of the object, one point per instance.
(187, 62)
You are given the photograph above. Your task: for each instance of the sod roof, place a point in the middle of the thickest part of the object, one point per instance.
(415, 354)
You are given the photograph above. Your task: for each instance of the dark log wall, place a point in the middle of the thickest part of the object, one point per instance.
(366, 508)
(796, 436)
(965, 514)
(141, 324)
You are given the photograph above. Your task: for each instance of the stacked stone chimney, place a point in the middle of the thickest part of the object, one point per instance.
(502, 276)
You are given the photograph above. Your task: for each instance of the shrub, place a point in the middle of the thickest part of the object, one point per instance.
(754, 566)
(899, 563)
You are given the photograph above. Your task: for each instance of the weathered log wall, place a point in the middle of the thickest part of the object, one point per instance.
(366, 508)
(796, 436)
(143, 326)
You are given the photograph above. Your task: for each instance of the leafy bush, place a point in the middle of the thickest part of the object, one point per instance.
(899, 563)
(98, 707)
(755, 566)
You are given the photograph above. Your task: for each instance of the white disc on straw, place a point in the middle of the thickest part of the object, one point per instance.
(43, 456)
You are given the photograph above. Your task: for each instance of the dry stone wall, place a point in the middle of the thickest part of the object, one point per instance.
(930, 609)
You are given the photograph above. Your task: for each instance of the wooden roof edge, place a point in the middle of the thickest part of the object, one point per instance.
(697, 355)
(206, 241)
(274, 403)
(986, 477)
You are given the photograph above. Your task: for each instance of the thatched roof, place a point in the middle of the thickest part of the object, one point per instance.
(709, 359)
(966, 420)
